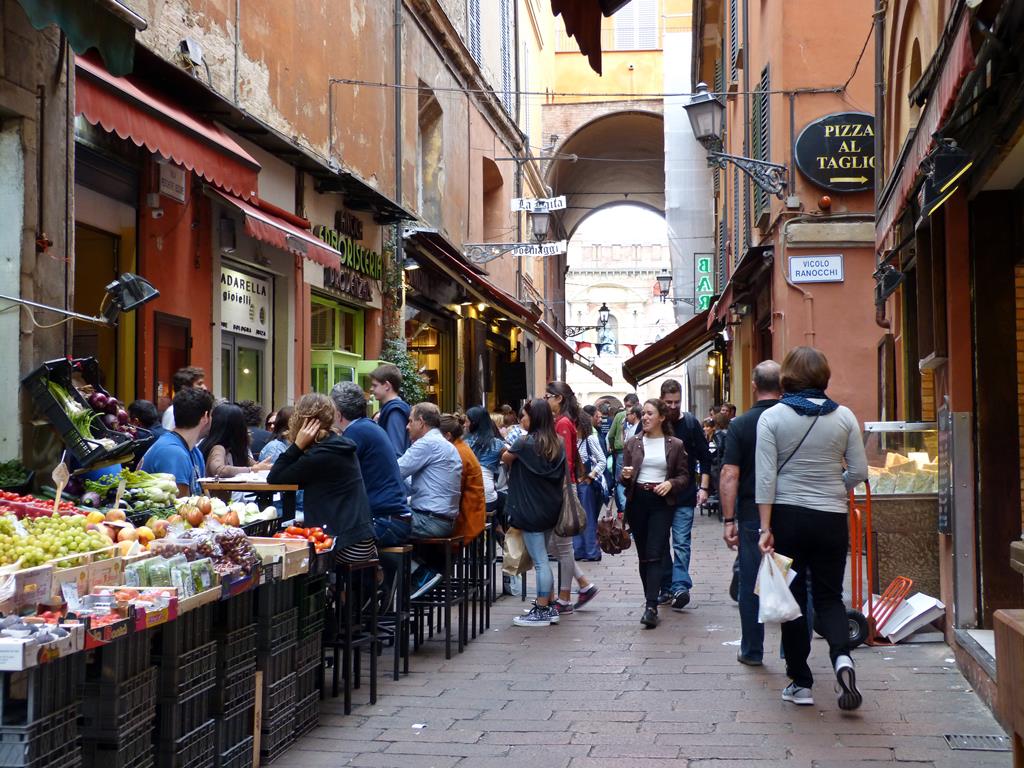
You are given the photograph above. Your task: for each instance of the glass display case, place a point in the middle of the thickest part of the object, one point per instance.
(902, 458)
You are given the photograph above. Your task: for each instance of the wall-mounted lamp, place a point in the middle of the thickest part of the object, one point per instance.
(540, 221)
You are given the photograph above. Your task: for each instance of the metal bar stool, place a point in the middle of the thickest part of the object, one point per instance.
(352, 630)
(396, 621)
(448, 593)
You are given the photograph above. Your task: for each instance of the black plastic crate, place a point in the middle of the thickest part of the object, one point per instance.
(189, 673)
(276, 736)
(278, 665)
(308, 651)
(234, 727)
(307, 714)
(307, 681)
(263, 528)
(239, 756)
(176, 718)
(234, 614)
(189, 631)
(125, 658)
(110, 710)
(278, 630)
(196, 749)
(234, 692)
(274, 599)
(236, 651)
(279, 698)
(47, 739)
(133, 751)
(37, 692)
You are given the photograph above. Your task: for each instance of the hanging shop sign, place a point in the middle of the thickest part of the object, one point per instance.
(244, 303)
(541, 249)
(348, 282)
(827, 268)
(837, 152)
(353, 255)
(539, 205)
(703, 281)
(172, 182)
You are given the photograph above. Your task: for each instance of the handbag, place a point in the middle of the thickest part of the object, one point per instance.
(572, 518)
(515, 559)
(612, 535)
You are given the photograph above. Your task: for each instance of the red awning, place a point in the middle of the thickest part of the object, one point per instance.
(669, 351)
(282, 234)
(958, 64)
(550, 336)
(134, 111)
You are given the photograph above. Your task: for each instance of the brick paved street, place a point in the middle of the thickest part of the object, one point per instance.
(598, 691)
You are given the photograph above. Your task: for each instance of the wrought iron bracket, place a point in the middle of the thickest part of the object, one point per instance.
(481, 253)
(771, 177)
(579, 330)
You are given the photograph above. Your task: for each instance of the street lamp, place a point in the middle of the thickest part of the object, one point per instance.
(540, 221)
(664, 284)
(603, 315)
(707, 118)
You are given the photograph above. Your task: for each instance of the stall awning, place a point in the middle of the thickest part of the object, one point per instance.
(273, 230)
(135, 111)
(551, 338)
(582, 20)
(756, 260)
(108, 26)
(669, 351)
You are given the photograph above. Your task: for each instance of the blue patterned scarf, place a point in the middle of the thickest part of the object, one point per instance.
(801, 402)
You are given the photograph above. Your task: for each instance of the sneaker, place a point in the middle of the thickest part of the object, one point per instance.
(849, 696)
(554, 614)
(797, 694)
(586, 595)
(664, 598)
(537, 617)
(423, 581)
(680, 599)
(650, 617)
(564, 609)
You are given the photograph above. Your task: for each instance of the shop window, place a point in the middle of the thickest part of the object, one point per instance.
(322, 326)
(931, 291)
(636, 26)
(430, 150)
(336, 341)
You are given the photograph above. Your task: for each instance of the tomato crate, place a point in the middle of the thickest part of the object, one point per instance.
(263, 528)
(279, 629)
(307, 714)
(196, 749)
(178, 717)
(234, 614)
(276, 736)
(307, 681)
(190, 672)
(239, 756)
(110, 710)
(278, 665)
(34, 693)
(133, 751)
(234, 692)
(121, 660)
(273, 599)
(48, 740)
(234, 728)
(186, 633)
(279, 698)
(236, 651)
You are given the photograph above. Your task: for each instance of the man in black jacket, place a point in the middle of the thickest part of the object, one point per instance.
(676, 586)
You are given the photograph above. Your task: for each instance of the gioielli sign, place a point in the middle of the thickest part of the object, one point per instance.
(837, 152)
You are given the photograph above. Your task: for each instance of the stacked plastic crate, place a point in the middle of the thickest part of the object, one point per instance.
(40, 715)
(186, 657)
(118, 705)
(234, 698)
(277, 622)
(310, 599)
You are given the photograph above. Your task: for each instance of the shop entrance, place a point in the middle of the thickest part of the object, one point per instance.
(242, 360)
(97, 263)
(336, 334)
(172, 349)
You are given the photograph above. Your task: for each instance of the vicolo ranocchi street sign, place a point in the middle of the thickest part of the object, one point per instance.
(837, 152)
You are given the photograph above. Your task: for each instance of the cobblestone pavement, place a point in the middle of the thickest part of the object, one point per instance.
(598, 691)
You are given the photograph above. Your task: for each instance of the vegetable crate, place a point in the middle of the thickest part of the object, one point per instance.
(30, 696)
(236, 652)
(276, 736)
(311, 600)
(278, 630)
(87, 450)
(49, 741)
(189, 631)
(239, 756)
(191, 672)
(234, 728)
(234, 692)
(119, 661)
(196, 749)
(111, 711)
(134, 750)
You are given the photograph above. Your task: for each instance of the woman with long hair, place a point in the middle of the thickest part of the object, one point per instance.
(324, 464)
(536, 469)
(279, 435)
(572, 425)
(810, 454)
(226, 448)
(655, 469)
(481, 436)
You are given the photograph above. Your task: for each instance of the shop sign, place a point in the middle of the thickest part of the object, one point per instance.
(172, 182)
(353, 255)
(837, 152)
(541, 249)
(827, 268)
(348, 282)
(540, 205)
(703, 284)
(244, 303)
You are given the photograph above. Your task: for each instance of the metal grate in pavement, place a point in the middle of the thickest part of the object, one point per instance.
(978, 743)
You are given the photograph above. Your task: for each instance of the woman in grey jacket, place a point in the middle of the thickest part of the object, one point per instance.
(809, 455)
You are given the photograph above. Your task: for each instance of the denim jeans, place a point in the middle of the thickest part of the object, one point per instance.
(391, 531)
(618, 489)
(426, 527)
(752, 640)
(677, 570)
(536, 543)
(584, 545)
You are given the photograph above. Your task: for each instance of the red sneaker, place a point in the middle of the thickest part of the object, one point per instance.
(586, 595)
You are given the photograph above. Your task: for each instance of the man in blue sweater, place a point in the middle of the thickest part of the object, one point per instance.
(386, 386)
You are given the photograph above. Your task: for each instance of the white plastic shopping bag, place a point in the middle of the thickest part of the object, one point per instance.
(777, 603)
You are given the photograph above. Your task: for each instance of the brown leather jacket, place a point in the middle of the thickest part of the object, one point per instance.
(675, 457)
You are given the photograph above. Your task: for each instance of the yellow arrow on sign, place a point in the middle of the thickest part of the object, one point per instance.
(850, 179)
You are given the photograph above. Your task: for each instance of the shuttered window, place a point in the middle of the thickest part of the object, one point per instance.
(734, 38)
(735, 216)
(526, 98)
(473, 23)
(322, 319)
(636, 26)
(762, 140)
(723, 236)
(507, 79)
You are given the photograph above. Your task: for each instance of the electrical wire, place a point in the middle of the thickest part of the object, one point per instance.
(856, 65)
(32, 316)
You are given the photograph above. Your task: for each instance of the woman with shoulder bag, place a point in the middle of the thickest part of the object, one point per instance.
(592, 497)
(536, 466)
(810, 454)
(655, 469)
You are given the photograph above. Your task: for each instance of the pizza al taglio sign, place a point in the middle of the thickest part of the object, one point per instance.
(837, 152)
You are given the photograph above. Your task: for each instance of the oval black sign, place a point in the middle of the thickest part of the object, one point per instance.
(837, 152)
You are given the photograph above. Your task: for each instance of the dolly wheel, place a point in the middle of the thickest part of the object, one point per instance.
(858, 627)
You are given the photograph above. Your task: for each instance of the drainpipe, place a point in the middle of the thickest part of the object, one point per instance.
(879, 101)
(746, 114)
(399, 244)
(238, 46)
(519, 164)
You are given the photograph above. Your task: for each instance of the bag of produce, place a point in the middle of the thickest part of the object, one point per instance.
(135, 574)
(158, 572)
(203, 575)
(181, 576)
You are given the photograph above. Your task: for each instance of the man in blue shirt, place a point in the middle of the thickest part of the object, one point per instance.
(386, 384)
(175, 452)
(381, 475)
(433, 470)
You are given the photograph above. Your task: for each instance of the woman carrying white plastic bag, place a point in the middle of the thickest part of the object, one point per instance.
(810, 454)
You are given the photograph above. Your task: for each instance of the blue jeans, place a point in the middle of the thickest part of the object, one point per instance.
(585, 546)
(677, 577)
(536, 543)
(752, 640)
(391, 531)
(618, 489)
